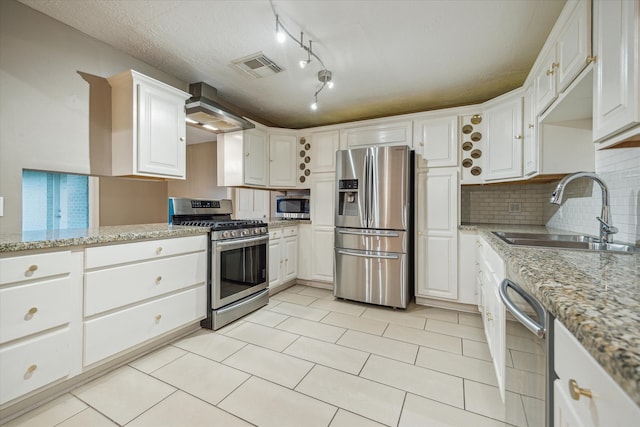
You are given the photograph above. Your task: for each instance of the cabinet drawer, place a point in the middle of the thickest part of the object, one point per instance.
(115, 332)
(609, 405)
(34, 307)
(131, 252)
(33, 363)
(289, 231)
(118, 286)
(34, 267)
(275, 234)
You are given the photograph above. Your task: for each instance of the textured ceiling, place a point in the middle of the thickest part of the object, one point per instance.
(387, 56)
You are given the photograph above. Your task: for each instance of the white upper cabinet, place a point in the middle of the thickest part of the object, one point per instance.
(242, 158)
(384, 133)
(616, 91)
(567, 52)
(504, 139)
(530, 136)
(323, 151)
(282, 161)
(148, 127)
(436, 140)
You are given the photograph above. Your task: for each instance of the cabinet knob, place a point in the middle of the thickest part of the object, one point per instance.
(555, 65)
(31, 369)
(591, 59)
(158, 279)
(182, 138)
(158, 250)
(246, 155)
(576, 391)
(489, 315)
(32, 311)
(32, 269)
(421, 144)
(531, 126)
(158, 317)
(518, 137)
(550, 72)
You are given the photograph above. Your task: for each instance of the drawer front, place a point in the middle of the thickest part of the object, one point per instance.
(34, 267)
(113, 333)
(141, 251)
(290, 231)
(119, 286)
(34, 363)
(34, 307)
(275, 234)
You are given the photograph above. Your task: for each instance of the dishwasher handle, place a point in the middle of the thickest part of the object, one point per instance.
(538, 328)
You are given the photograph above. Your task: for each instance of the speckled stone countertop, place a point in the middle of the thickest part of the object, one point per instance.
(30, 240)
(596, 295)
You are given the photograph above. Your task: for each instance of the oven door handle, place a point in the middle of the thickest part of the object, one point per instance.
(242, 242)
(367, 255)
(538, 328)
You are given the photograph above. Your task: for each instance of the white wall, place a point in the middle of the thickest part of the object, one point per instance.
(620, 170)
(44, 102)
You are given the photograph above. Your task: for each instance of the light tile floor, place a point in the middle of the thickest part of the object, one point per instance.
(306, 359)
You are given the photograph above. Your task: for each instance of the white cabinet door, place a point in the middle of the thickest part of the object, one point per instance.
(436, 140)
(437, 229)
(573, 44)
(530, 158)
(616, 92)
(275, 262)
(322, 261)
(323, 151)
(290, 249)
(161, 132)
(504, 140)
(282, 161)
(255, 157)
(249, 203)
(305, 251)
(564, 415)
(545, 81)
(323, 200)
(396, 133)
(467, 285)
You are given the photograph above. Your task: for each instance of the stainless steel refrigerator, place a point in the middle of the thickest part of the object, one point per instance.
(373, 236)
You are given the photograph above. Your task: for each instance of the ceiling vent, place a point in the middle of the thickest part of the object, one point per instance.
(257, 65)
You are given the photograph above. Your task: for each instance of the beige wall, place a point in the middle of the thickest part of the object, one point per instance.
(132, 201)
(44, 103)
(202, 181)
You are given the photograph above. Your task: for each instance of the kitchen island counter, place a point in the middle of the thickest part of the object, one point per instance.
(596, 295)
(45, 239)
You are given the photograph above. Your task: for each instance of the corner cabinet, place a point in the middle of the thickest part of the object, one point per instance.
(436, 252)
(148, 127)
(243, 159)
(616, 91)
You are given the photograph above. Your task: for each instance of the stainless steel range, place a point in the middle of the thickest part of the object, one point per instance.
(239, 258)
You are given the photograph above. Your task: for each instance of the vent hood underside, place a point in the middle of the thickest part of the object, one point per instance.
(205, 113)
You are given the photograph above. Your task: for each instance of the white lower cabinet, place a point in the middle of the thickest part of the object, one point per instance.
(130, 299)
(283, 256)
(467, 264)
(305, 251)
(322, 261)
(40, 321)
(608, 404)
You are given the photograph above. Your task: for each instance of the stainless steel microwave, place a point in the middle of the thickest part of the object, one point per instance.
(294, 207)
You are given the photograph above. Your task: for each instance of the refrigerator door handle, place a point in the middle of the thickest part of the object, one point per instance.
(372, 233)
(368, 255)
(367, 201)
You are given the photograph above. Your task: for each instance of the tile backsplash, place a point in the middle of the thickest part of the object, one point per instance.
(529, 204)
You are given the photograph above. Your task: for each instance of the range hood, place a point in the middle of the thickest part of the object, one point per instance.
(205, 113)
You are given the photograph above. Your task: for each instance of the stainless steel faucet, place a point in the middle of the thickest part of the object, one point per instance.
(606, 228)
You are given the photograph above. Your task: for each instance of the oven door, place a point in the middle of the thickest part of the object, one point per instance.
(238, 269)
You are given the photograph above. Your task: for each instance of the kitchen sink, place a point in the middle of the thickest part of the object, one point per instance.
(564, 241)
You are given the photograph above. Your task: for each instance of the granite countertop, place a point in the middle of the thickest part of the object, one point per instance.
(279, 222)
(44, 239)
(596, 296)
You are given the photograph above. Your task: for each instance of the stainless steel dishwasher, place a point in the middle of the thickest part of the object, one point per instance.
(529, 359)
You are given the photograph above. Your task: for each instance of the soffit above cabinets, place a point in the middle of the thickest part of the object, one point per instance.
(387, 56)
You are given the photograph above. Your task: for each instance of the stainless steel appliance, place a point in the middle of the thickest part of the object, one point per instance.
(373, 239)
(239, 258)
(294, 207)
(529, 370)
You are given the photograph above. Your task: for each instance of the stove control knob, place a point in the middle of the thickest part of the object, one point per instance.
(256, 231)
(234, 233)
(263, 229)
(245, 232)
(226, 234)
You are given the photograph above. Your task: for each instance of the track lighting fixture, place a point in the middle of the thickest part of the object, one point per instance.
(324, 75)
